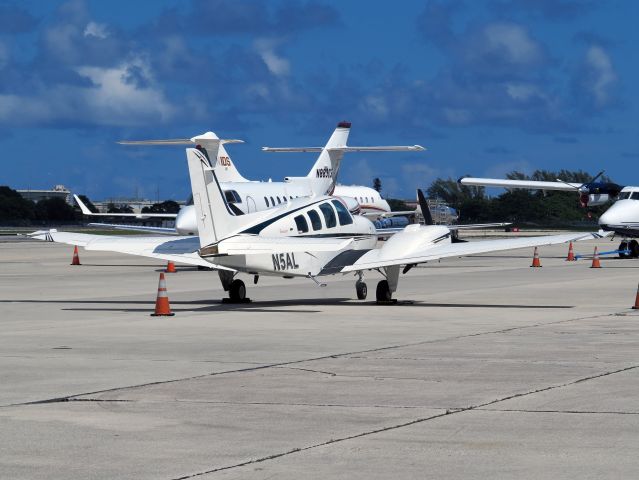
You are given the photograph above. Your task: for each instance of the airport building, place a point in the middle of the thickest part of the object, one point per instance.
(58, 191)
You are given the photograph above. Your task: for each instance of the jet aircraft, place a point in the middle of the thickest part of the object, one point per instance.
(622, 217)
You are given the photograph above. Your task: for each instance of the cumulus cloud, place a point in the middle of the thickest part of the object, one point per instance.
(94, 29)
(602, 75)
(15, 19)
(276, 64)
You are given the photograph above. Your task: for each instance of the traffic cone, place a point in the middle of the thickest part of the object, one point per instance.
(571, 254)
(636, 305)
(536, 263)
(162, 307)
(76, 257)
(170, 267)
(595, 260)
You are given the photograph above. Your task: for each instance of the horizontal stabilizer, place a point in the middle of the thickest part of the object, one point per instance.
(391, 148)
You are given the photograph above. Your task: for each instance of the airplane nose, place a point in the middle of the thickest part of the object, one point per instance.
(612, 216)
(184, 224)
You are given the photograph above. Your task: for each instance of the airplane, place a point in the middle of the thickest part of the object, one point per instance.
(246, 196)
(591, 193)
(621, 218)
(308, 237)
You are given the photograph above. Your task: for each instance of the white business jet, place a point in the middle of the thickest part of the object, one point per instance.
(245, 196)
(307, 237)
(622, 217)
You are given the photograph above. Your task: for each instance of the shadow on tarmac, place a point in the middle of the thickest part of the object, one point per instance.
(269, 306)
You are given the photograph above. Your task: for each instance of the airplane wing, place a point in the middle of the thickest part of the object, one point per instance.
(389, 148)
(86, 211)
(135, 228)
(180, 249)
(384, 257)
(396, 213)
(525, 184)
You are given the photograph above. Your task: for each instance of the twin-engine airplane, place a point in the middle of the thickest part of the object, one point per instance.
(622, 217)
(308, 237)
(245, 196)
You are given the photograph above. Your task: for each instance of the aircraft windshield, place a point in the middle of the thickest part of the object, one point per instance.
(342, 213)
(629, 195)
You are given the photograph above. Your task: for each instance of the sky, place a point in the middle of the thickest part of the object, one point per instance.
(486, 86)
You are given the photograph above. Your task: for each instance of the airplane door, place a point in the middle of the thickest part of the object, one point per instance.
(250, 205)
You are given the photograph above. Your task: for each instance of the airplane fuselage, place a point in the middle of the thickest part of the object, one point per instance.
(623, 216)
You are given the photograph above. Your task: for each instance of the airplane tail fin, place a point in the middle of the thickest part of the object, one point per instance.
(326, 168)
(216, 218)
(212, 147)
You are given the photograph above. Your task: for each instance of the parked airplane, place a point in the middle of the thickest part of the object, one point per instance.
(622, 217)
(305, 237)
(247, 196)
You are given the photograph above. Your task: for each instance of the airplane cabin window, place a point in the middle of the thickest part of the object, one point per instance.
(302, 226)
(342, 213)
(316, 222)
(272, 201)
(266, 201)
(329, 215)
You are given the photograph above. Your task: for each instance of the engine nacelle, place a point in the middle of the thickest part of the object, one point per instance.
(594, 199)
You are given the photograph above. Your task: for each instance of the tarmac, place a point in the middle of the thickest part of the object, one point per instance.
(486, 368)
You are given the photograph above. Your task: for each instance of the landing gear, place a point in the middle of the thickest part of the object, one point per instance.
(237, 291)
(623, 246)
(361, 289)
(235, 287)
(383, 293)
(633, 249)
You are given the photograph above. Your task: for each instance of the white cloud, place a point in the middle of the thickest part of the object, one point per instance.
(514, 41)
(113, 100)
(94, 29)
(276, 64)
(375, 105)
(523, 91)
(603, 74)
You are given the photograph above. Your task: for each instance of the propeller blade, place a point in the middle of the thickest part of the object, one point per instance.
(597, 176)
(563, 181)
(423, 204)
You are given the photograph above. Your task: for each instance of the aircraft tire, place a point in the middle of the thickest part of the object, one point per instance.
(383, 293)
(633, 246)
(361, 289)
(623, 246)
(237, 291)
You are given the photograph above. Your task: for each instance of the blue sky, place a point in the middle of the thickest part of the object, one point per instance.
(487, 86)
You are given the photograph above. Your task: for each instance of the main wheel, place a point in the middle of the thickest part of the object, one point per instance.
(237, 291)
(623, 246)
(633, 246)
(383, 292)
(361, 289)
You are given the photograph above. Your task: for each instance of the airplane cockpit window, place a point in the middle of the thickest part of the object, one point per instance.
(190, 200)
(316, 222)
(329, 215)
(634, 196)
(302, 226)
(342, 213)
(624, 195)
(232, 196)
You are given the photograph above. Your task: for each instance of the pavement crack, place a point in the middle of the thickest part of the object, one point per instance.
(578, 412)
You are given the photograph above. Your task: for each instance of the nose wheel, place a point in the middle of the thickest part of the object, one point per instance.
(237, 292)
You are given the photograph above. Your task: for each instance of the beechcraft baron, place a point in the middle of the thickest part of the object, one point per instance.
(245, 196)
(309, 237)
(622, 217)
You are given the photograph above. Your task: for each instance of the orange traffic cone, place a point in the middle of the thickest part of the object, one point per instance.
(571, 254)
(595, 260)
(636, 305)
(170, 267)
(76, 257)
(536, 263)
(162, 307)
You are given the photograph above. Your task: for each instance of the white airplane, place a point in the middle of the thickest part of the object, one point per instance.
(245, 196)
(307, 237)
(622, 217)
